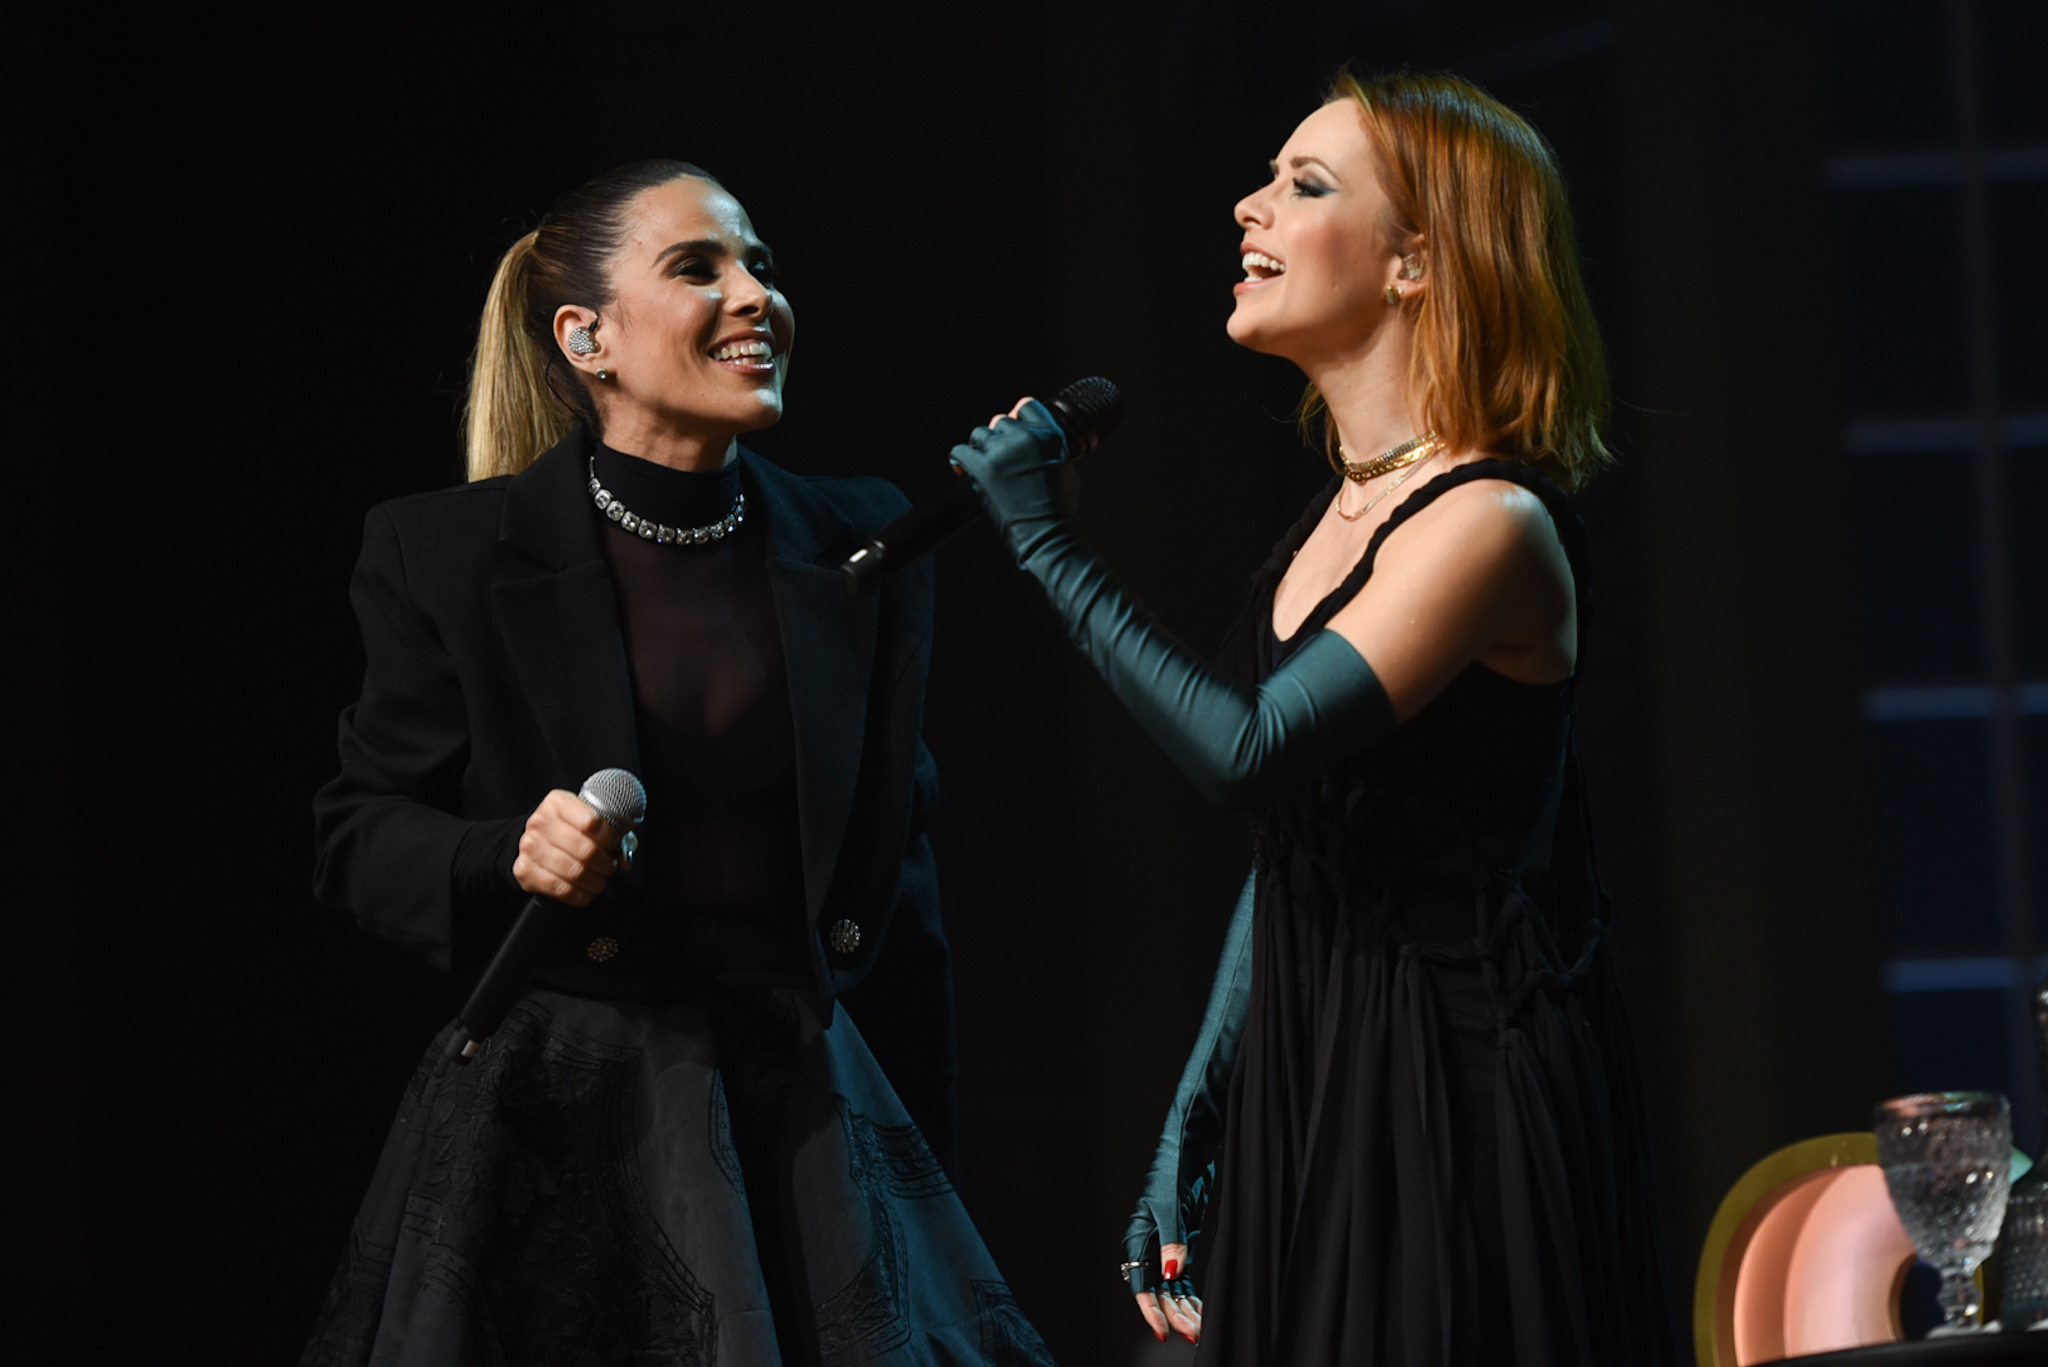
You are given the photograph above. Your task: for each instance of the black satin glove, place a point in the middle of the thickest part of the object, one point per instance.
(1015, 467)
(1173, 1206)
(1241, 747)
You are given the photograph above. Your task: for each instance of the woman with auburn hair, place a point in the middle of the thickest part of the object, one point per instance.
(1411, 1130)
(677, 1147)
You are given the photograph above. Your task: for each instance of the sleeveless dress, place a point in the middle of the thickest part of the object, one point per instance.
(1434, 1149)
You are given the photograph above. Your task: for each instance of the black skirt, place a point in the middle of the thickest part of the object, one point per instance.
(606, 1183)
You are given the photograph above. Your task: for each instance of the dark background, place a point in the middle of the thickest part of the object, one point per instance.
(250, 252)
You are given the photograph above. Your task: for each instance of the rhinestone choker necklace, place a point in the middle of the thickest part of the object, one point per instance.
(660, 533)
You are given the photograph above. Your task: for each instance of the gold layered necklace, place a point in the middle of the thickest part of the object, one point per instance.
(1410, 455)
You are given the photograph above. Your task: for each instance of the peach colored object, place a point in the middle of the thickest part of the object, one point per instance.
(1784, 1221)
(1822, 1268)
(1805, 1255)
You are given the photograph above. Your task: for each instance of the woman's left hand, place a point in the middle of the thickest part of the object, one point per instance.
(1014, 463)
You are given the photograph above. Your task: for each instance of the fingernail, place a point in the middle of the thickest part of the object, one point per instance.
(1161, 1333)
(1172, 1268)
(1186, 1335)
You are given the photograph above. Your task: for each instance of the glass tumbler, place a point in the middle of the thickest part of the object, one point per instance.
(2025, 1240)
(1946, 1159)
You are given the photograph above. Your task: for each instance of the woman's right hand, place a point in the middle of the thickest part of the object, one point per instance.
(566, 850)
(1173, 1304)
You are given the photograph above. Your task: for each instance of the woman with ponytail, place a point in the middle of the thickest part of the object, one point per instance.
(1410, 1133)
(678, 1146)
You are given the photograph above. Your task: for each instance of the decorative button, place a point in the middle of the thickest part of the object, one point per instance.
(845, 936)
(604, 947)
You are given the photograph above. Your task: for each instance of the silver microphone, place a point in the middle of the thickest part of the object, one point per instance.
(621, 799)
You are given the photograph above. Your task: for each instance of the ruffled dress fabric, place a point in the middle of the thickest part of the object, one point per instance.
(607, 1183)
(688, 1158)
(1434, 1150)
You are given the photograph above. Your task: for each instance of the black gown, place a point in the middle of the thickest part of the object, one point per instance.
(1434, 1147)
(705, 1164)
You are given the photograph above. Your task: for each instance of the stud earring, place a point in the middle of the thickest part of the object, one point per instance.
(603, 374)
(1411, 269)
(1394, 295)
(581, 342)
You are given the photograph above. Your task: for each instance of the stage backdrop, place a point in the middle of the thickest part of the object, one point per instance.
(250, 251)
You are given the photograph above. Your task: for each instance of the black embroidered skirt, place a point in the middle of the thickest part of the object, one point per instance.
(606, 1183)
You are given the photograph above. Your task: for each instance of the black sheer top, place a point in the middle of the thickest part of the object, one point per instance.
(720, 867)
(716, 894)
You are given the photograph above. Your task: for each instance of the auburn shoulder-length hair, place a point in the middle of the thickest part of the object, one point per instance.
(1507, 356)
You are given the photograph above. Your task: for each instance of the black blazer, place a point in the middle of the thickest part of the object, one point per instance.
(496, 670)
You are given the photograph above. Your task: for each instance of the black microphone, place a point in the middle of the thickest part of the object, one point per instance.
(1086, 410)
(620, 799)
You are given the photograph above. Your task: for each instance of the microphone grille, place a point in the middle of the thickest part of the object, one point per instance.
(616, 796)
(1090, 409)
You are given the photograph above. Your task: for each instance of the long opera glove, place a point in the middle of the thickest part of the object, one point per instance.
(1173, 1204)
(1240, 746)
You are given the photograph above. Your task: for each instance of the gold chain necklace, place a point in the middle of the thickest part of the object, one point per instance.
(1416, 462)
(1393, 458)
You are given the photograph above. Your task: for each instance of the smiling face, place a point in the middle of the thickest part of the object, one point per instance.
(1316, 249)
(696, 338)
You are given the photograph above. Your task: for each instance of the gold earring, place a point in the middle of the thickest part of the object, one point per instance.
(1394, 295)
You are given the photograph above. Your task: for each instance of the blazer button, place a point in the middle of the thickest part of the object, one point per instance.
(845, 936)
(603, 948)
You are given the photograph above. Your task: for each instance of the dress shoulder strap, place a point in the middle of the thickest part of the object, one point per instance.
(1571, 532)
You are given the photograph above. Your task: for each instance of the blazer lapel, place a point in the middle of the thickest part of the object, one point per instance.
(828, 647)
(559, 615)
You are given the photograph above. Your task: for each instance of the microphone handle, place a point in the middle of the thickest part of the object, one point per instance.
(922, 529)
(502, 982)
(926, 527)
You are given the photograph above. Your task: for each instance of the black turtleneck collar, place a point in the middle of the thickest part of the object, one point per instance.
(680, 498)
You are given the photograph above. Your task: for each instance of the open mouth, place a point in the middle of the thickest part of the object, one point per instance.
(751, 355)
(1259, 266)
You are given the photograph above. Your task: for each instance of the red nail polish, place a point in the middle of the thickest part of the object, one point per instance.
(1172, 1268)
(1161, 1333)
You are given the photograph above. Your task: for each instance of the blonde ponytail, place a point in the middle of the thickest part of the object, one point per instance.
(524, 397)
(512, 415)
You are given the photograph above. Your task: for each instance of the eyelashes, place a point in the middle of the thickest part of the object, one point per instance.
(697, 268)
(1309, 189)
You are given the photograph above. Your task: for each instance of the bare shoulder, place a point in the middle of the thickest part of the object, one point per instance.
(1484, 519)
